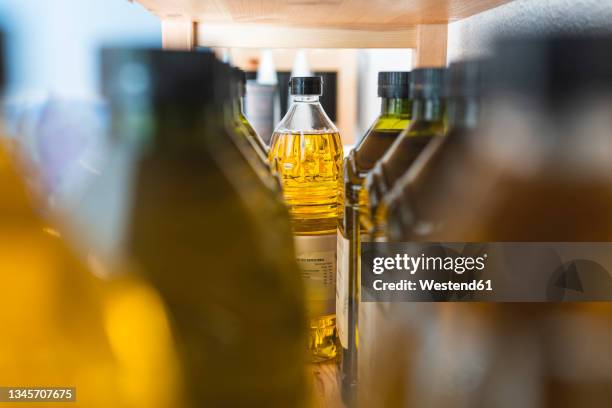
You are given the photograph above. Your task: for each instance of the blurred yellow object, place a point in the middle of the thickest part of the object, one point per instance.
(65, 327)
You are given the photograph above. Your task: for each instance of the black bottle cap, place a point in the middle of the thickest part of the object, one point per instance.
(427, 83)
(180, 78)
(306, 85)
(553, 68)
(394, 84)
(464, 78)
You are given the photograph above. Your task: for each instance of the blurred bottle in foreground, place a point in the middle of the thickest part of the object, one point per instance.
(539, 171)
(181, 202)
(544, 143)
(428, 122)
(396, 111)
(66, 327)
(307, 153)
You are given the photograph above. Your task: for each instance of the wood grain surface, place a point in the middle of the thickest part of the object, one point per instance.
(351, 14)
(324, 383)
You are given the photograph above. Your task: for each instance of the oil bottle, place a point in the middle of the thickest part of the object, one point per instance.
(306, 151)
(534, 144)
(410, 206)
(106, 337)
(251, 133)
(248, 142)
(411, 201)
(59, 312)
(428, 122)
(195, 217)
(396, 111)
(540, 171)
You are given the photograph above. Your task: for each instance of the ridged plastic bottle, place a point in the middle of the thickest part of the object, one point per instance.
(306, 151)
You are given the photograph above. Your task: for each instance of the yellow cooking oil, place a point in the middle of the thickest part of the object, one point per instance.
(310, 167)
(98, 342)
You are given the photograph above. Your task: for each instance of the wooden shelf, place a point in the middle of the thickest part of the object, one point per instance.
(270, 36)
(373, 15)
(323, 379)
(328, 23)
(421, 25)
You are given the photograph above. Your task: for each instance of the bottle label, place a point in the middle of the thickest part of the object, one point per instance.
(342, 289)
(316, 257)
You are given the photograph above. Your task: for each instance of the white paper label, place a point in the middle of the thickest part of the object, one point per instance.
(316, 257)
(342, 289)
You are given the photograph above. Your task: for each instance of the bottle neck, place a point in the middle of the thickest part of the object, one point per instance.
(306, 114)
(237, 107)
(429, 110)
(396, 107)
(241, 105)
(463, 113)
(306, 98)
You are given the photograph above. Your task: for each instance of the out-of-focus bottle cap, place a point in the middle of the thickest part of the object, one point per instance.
(394, 84)
(427, 83)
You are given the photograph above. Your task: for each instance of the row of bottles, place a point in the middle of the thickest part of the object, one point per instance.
(426, 90)
(514, 148)
(182, 288)
(203, 268)
(413, 114)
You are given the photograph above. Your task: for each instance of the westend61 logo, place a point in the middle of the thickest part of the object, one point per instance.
(413, 264)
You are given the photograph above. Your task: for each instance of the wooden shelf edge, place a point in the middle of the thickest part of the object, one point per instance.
(273, 36)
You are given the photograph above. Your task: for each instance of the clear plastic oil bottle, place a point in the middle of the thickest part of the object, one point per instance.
(396, 112)
(306, 151)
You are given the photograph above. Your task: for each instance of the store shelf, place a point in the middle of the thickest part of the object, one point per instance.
(270, 36)
(342, 14)
(308, 23)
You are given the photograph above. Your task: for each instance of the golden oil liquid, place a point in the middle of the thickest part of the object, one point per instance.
(310, 168)
(66, 327)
